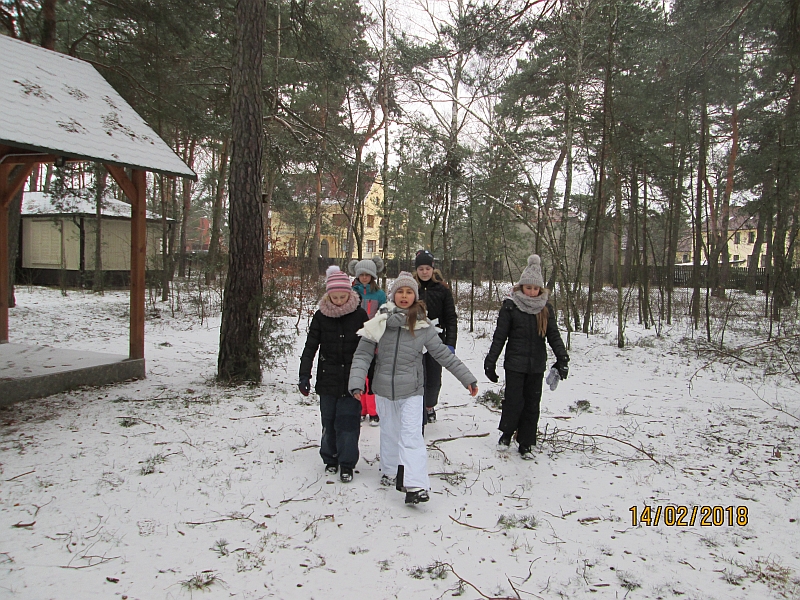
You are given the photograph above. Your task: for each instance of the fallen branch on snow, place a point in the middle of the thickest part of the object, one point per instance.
(21, 475)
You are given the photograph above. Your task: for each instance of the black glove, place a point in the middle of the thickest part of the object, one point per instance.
(491, 373)
(562, 366)
(304, 385)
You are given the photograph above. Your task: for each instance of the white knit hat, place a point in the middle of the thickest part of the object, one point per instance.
(532, 275)
(372, 266)
(405, 279)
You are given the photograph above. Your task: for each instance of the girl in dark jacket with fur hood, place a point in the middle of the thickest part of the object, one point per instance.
(333, 331)
(441, 307)
(525, 321)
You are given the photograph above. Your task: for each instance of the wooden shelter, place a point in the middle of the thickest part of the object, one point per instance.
(58, 109)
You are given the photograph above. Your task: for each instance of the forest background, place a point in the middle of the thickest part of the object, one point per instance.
(598, 133)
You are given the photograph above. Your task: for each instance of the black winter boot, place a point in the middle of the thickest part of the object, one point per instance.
(416, 495)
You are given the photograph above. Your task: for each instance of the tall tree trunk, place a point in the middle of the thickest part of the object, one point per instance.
(785, 188)
(618, 254)
(544, 216)
(722, 282)
(100, 178)
(216, 214)
(753, 262)
(768, 261)
(241, 310)
(698, 224)
(595, 273)
(186, 207)
(49, 24)
(166, 231)
(317, 239)
(645, 275)
(675, 212)
(632, 245)
(384, 209)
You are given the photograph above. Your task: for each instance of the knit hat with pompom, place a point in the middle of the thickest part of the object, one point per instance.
(404, 279)
(372, 266)
(336, 280)
(532, 275)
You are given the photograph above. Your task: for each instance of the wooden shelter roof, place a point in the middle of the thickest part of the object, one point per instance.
(55, 104)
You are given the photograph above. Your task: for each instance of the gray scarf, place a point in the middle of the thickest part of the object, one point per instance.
(532, 306)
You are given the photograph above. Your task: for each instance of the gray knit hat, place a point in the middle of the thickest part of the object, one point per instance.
(532, 275)
(405, 279)
(372, 266)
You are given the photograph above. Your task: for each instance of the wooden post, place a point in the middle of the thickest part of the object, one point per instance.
(5, 171)
(138, 260)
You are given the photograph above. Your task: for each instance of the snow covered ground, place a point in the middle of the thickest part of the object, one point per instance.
(174, 487)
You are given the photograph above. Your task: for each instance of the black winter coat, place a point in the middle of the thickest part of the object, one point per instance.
(439, 300)
(337, 342)
(525, 351)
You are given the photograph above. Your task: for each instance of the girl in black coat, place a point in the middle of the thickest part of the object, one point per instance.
(333, 331)
(525, 321)
(433, 291)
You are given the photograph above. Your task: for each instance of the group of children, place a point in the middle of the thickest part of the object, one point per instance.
(382, 358)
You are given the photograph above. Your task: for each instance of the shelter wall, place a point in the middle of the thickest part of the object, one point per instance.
(116, 244)
(41, 243)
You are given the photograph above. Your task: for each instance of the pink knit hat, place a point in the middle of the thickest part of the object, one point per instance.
(337, 280)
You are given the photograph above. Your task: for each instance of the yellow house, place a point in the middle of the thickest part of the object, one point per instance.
(742, 231)
(295, 238)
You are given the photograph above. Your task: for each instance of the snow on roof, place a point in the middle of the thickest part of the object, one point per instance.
(80, 202)
(57, 104)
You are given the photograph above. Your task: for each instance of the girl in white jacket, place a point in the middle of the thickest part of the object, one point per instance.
(401, 332)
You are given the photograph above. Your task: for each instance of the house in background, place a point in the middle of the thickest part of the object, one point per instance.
(198, 237)
(335, 229)
(742, 232)
(60, 235)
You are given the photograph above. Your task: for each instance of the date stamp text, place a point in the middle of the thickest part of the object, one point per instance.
(689, 516)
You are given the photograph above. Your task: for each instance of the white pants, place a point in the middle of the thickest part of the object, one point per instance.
(401, 440)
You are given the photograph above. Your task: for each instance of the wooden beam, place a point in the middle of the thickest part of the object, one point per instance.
(138, 259)
(12, 187)
(5, 171)
(8, 190)
(32, 158)
(124, 182)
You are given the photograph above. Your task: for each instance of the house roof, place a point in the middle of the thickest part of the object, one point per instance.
(80, 202)
(57, 104)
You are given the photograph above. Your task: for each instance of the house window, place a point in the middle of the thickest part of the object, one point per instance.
(371, 246)
(340, 220)
(751, 237)
(345, 247)
(737, 238)
(685, 258)
(763, 261)
(735, 258)
(370, 220)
